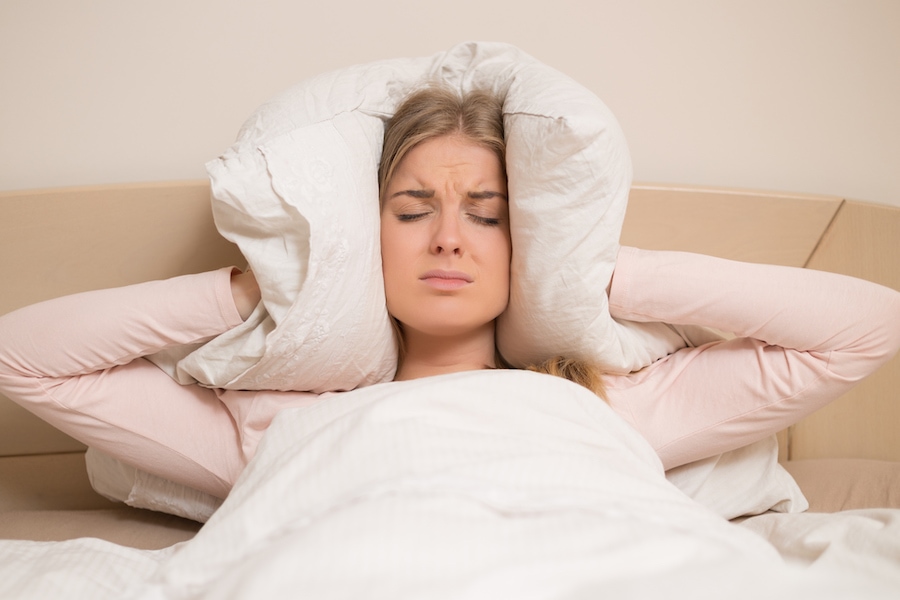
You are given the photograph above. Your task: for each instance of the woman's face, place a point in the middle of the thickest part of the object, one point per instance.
(445, 245)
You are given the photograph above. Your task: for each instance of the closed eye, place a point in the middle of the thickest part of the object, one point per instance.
(490, 221)
(408, 217)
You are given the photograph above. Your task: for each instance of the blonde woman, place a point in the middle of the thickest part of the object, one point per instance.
(803, 337)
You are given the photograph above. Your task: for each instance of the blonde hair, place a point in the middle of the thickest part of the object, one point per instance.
(583, 373)
(436, 111)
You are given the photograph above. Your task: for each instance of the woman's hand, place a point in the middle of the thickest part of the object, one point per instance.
(245, 290)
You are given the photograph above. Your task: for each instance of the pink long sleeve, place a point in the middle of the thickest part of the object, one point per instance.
(804, 338)
(74, 362)
(48, 339)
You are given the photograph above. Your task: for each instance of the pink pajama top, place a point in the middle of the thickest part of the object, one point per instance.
(803, 339)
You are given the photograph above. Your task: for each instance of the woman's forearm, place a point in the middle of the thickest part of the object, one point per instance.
(804, 338)
(91, 331)
(800, 309)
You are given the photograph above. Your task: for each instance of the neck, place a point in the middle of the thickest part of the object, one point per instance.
(427, 355)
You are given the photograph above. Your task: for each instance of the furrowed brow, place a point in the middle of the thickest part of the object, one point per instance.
(414, 193)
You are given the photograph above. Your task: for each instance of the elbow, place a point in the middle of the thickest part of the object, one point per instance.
(7, 336)
(890, 329)
(882, 342)
(870, 340)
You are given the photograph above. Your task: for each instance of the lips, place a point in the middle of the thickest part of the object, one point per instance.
(446, 280)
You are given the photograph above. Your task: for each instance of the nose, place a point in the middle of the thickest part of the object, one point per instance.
(447, 237)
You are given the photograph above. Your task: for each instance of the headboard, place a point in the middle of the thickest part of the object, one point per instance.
(61, 241)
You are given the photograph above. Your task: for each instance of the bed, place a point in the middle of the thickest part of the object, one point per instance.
(61, 537)
(484, 484)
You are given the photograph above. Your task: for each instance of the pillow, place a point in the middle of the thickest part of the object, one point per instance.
(298, 194)
(322, 324)
(119, 482)
(744, 482)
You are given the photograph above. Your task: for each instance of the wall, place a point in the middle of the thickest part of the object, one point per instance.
(795, 95)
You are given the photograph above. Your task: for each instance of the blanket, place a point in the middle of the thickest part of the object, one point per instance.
(485, 484)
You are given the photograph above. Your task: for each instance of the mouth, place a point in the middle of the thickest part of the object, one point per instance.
(446, 280)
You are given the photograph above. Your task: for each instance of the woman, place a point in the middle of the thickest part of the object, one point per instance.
(445, 240)
(804, 337)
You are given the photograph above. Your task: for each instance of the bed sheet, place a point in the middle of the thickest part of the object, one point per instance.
(490, 484)
(864, 541)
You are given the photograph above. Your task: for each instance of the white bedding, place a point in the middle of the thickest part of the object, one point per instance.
(867, 541)
(488, 484)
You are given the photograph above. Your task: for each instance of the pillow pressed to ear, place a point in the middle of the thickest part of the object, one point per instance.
(310, 243)
(298, 194)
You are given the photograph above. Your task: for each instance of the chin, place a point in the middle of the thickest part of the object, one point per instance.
(447, 326)
(448, 330)
(448, 319)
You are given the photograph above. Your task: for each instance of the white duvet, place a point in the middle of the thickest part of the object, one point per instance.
(488, 484)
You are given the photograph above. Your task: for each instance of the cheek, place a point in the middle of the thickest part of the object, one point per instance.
(394, 256)
(500, 253)
(504, 252)
(393, 245)
(507, 262)
(504, 267)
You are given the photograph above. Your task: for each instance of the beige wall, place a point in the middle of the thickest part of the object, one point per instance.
(795, 95)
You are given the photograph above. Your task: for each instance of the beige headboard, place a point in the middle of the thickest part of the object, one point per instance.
(56, 242)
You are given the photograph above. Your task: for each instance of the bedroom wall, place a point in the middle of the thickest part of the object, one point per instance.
(794, 95)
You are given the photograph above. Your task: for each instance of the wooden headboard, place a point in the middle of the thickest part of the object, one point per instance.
(61, 241)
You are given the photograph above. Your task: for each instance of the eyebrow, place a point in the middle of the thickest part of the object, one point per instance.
(414, 193)
(485, 195)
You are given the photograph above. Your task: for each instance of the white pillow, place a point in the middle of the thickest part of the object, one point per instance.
(744, 482)
(322, 325)
(298, 194)
(119, 482)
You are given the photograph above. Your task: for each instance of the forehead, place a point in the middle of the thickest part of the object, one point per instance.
(450, 154)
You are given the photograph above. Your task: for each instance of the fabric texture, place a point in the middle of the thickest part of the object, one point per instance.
(864, 541)
(298, 194)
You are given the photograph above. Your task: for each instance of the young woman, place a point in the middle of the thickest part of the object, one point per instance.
(803, 337)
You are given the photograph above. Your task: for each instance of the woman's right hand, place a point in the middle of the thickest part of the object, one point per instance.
(245, 290)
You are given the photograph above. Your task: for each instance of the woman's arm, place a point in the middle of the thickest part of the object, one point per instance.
(92, 331)
(804, 338)
(75, 362)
